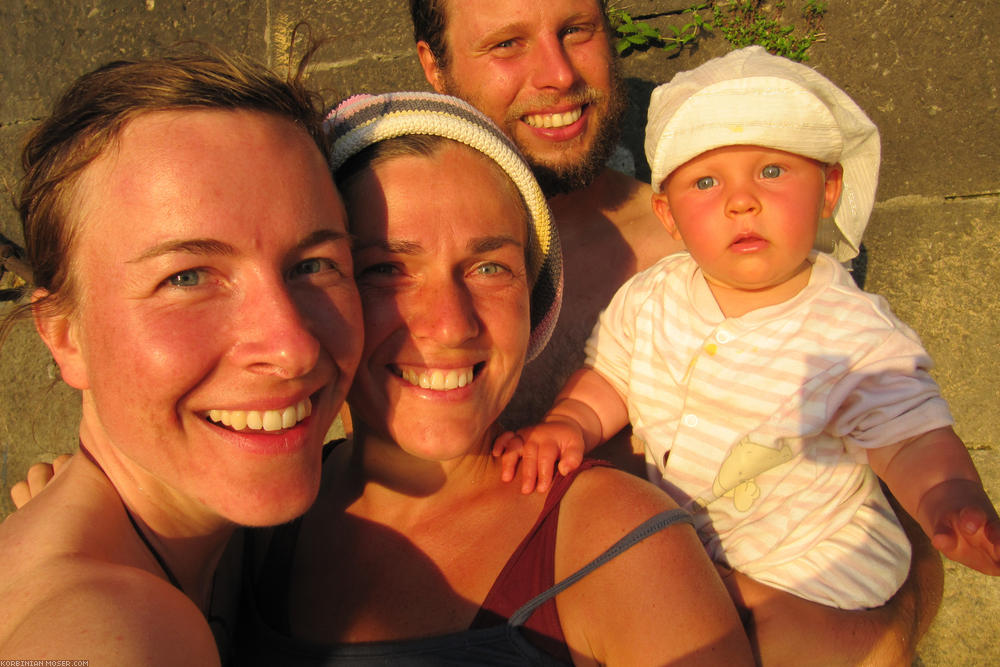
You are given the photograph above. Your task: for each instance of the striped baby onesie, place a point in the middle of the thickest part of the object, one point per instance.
(766, 419)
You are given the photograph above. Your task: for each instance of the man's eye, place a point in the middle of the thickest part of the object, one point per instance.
(187, 278)
(578, 33)
(705, 182)
(505, 46)
(771, 171)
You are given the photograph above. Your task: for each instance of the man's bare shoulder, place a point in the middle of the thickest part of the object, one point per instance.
(617, 208)
(608, 233)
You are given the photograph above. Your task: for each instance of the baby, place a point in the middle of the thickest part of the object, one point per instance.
(768, 390)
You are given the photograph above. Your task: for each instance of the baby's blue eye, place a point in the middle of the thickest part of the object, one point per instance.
(188, 278)
(705, 182)
(771, 171)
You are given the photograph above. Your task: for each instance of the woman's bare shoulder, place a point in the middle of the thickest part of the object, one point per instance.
(72, 589)
(605, 504)
(80, 608)
(604, 493)
(657, 601)
(73, 515)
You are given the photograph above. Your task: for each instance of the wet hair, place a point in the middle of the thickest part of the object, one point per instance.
(430, 21)
(88, 119)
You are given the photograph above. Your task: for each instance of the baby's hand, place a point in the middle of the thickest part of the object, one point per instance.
(538, 447)
(962, 523)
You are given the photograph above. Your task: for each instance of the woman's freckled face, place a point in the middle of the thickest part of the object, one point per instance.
(440, 265)
(215, 274)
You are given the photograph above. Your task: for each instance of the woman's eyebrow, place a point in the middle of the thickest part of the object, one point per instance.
(397, 247)
(488, 243)
(189, 246)
(479, 244)
(216, 247)
(324, 236)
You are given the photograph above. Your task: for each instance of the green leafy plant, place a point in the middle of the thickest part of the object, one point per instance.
(639, 35)
(740, 22)
(746, 22)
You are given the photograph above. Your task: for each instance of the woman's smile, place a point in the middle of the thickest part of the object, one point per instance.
(437, 379)
(445, 304)
(267, 420)
(234, 301)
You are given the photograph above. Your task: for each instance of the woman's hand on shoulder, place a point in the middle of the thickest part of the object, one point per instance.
(660, 601)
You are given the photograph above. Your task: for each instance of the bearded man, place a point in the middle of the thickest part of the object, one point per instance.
(545, 71)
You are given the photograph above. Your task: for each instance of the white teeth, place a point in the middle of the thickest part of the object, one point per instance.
(255, 420)
(267, 420)
(549, 120)
(238, 419)
(288, 419)
(438, 379)
(271, 420)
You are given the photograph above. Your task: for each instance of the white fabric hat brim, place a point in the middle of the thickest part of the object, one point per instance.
(750, 97)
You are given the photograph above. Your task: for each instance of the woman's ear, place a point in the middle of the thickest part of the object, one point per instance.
(832, 188)
(429, 63)
(661, 207)
(59, 333)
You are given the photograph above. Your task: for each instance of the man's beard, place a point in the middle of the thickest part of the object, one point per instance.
(556, 177)
(560, 178)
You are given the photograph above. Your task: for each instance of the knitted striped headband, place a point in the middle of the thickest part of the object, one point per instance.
(364, 120)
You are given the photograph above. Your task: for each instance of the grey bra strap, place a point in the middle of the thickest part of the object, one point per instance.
(648, 527)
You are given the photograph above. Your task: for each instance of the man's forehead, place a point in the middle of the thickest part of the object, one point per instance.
(488, 15)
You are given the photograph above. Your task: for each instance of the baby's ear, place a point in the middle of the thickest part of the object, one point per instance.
(59, 333)
(661, 207)
(832, 188)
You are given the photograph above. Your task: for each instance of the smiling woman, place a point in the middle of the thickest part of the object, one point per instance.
(207, 312)
(416, 553)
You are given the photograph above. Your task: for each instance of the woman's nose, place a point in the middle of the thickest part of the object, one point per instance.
(273, 335)
(444, 313)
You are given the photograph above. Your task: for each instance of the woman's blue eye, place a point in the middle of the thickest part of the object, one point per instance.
(378, 269)
(489, 269)
(705, 182)
(771, 171)
(308, 266)
(188, 278)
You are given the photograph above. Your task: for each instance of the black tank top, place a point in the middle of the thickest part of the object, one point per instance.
(501, 634)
